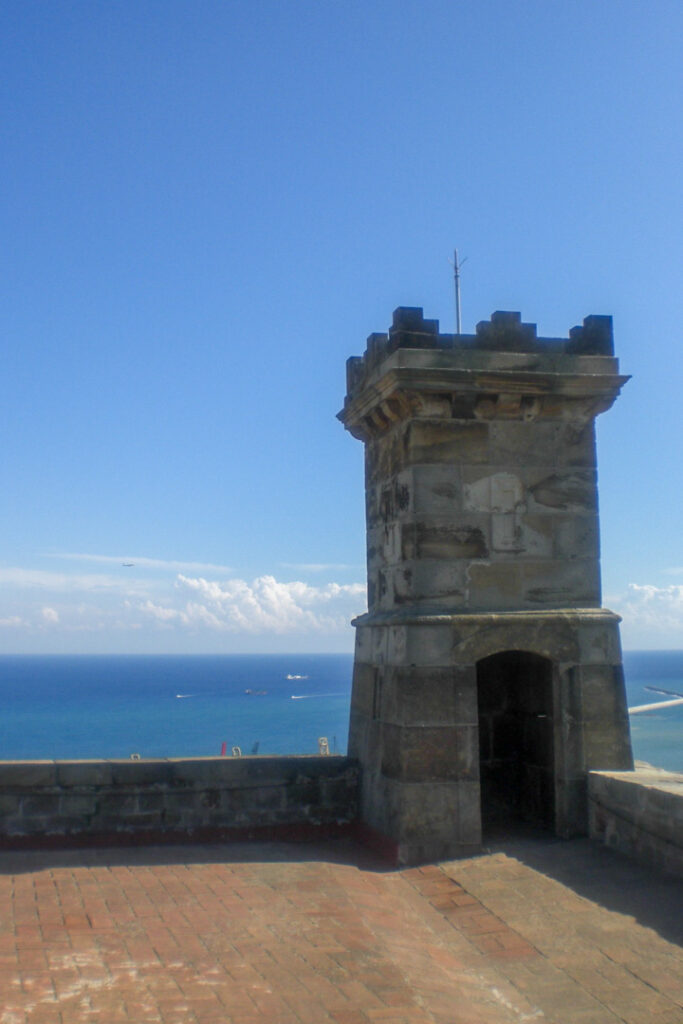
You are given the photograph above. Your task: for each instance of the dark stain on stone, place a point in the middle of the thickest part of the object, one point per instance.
(562, 492)
(402, 497)
(450, 542)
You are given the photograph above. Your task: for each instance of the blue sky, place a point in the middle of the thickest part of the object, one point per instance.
(208, 206)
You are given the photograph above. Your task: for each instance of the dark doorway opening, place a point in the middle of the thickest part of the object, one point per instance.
(516, 758)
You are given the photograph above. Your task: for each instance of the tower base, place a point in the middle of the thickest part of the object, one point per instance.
(475, 722)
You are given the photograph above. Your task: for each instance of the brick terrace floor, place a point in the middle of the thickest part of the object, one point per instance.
(536, 930)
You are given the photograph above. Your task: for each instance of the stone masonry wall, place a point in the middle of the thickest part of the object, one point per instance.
(640, 814)
(213, 797)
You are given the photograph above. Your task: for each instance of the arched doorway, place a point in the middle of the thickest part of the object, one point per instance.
(516, 755)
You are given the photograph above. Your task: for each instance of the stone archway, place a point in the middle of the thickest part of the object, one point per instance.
(516, 748)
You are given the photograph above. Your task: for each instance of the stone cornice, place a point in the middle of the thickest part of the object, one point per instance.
(397, 392)
(418, 617)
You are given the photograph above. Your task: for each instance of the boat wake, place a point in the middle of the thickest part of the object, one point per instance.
(308, 696)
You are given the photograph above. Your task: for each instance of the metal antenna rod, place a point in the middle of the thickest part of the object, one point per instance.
(456, 277)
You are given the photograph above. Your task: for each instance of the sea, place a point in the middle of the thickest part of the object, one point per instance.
(112, 706)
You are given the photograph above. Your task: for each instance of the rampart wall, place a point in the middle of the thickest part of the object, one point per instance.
(640, 814)
(57, 802)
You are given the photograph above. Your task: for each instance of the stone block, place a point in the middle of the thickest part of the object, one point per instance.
(113, 807)
(395, 644)
(560, 584)
(77, 805)
(380, 640)
(139, 773)
(495, 585)
(358, 737)
(84, 773)
(387, 455)
(434, 812)
(340, 795)
(515, 443)
(499, 491)
(428, 645)
(27, 774)
(363, 689)
(575, 536)
(477, 636)
(462, 537)
(429, 753)
(437, 490)
(432, 581)
(384, 545)
(569, 753)
(607, 745)
(453, 441)
(152, 800)
(602, 692)
(541, 443)
(394, 497)
(534, 536)
(571, 806)
(363, 645)
(564, 491)
(39, 802)
(599, 642)
(10, 805)
(420, 696)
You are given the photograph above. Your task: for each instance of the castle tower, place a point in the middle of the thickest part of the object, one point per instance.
(487, 676)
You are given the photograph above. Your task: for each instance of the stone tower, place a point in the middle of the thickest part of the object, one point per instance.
(487, 676)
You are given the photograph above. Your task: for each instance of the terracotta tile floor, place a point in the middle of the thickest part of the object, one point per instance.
(536, 930)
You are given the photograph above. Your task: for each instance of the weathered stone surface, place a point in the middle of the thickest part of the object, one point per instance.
(564, 491)
(462, 537)
(104, 798)
(431, 581)
(639, 813)
(419, 696)
(28, 773)
(437, 490)
(450, 441)
(427, 753)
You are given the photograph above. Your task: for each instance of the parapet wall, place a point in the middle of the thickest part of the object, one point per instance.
(57, 802)
(640, 814)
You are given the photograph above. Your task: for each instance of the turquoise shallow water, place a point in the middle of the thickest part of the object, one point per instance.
(175, 706)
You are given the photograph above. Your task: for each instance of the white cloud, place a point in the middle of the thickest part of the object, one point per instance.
(61, 581)
(652, 616)
(318, 566)
(141, 561)
(72, 603)
(263, 606)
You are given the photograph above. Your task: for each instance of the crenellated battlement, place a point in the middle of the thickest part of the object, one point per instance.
(505, 332)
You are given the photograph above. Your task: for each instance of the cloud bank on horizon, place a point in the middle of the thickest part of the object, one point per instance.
(39, 606)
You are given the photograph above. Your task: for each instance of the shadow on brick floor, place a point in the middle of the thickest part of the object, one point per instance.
(602, 876)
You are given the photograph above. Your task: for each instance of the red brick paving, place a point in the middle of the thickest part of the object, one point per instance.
(303, 935)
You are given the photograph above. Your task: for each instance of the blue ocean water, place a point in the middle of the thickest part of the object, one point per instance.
(174, 706)
(656, 736)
